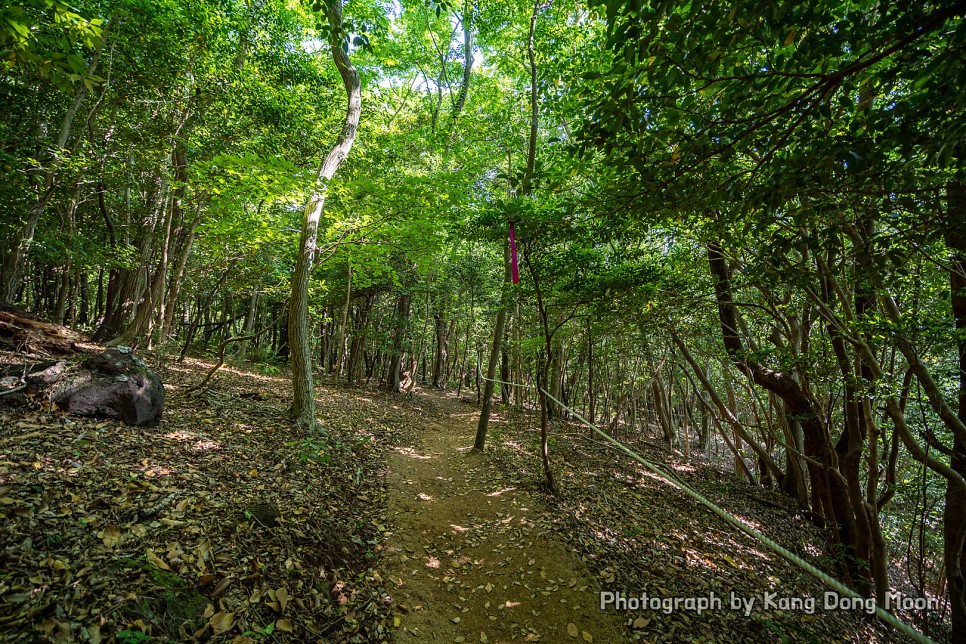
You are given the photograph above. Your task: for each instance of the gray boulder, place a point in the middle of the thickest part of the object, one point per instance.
(114, 384)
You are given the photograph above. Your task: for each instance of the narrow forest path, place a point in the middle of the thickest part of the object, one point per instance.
(471, 557)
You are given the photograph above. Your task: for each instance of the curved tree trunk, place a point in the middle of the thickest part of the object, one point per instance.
(303, 404)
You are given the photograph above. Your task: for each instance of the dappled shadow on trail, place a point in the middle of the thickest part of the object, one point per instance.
(478, 552)
(474, 559)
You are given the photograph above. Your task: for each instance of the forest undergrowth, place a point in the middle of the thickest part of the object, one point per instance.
(223, 520)
(640, 535)
(225, 523)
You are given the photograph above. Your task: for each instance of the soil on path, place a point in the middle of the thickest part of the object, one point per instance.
(473, 559)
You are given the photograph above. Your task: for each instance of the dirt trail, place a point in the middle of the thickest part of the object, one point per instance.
(473, 559)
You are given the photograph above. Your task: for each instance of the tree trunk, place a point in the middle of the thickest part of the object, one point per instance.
(467, 24)
(144, 317)
(303, 404)
(249, 324)
(185, 240)
(440, 356)
(591, 394)
(481, 426)
(543, 363)
(954, 516)
(340, 349)
(395, 359)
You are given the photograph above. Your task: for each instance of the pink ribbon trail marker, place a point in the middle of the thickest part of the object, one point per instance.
(515, 274)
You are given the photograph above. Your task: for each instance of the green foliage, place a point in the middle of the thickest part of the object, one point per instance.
(128, 636)
(49, 38)
(324, 449)
(313, 449)
(267, 369)
(266, 631)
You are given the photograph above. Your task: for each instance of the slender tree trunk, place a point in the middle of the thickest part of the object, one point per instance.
(727, 414)
(543, 368)
(467, 24)
(484, 421)
(591, 394)
(395, 358)
(303, 404)
(440, 356)
(185, 241)
(527, 184)
(340, 346)
(954, 515)
(249, 324)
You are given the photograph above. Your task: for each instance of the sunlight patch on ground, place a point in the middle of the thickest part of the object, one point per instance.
(156, 470)
(499, 492)
(758, 553)
(180, 436)
(695, 558)
(652, 476)
(224, 368)
(513, 445)
(748, 522)
(184, 437)
(458, 528)
(682, 468)
(410, 452)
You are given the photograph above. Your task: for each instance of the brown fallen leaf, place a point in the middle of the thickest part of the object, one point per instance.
(284, 625)
(221, 622)
(157, 561)
(220, 588)
(641, 622)
(282, 596)
(112, 536)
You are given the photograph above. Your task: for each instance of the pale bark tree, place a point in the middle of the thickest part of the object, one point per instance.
(303, 405)
(526, 188)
